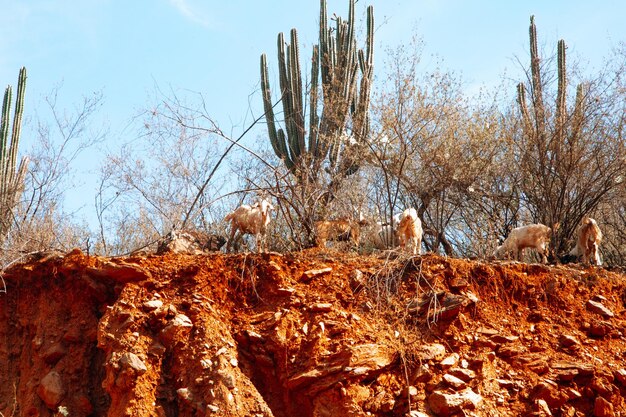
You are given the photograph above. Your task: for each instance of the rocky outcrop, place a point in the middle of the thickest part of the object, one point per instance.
(189, 242)
(308, 334)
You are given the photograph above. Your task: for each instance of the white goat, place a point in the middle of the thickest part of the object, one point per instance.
(536, 236)
(588, 242)
(382, 236)
(251, 220)
(410, 230)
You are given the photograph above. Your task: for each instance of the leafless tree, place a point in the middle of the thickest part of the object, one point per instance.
(435, 145)
(61, 137)
(158, 181)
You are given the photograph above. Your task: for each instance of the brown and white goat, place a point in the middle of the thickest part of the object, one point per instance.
(338, 230)
(535, 236)
(410, 231)
(252, 220)
(588, 242)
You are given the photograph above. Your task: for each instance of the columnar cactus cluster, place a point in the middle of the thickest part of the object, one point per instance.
(338, 62)
(11, 174)
(553, 138)
(535, 124)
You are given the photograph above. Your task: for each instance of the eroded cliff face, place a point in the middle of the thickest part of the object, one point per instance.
(309, 334)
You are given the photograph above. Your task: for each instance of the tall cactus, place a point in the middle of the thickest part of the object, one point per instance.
(535, 124)
(11, 174)
(551, 142)
(560, 115)
(338, 62)
(538, 130)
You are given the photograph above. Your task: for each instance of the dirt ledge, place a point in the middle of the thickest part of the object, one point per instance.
(312, 333)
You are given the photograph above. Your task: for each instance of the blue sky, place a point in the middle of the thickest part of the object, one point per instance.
(125, 48)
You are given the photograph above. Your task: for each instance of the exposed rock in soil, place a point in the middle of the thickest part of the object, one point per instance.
(189, 242)
(309, 334)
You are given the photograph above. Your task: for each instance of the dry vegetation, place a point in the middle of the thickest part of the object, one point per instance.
(550, 150)
(113, 329)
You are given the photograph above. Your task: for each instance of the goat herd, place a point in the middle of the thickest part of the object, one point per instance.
(408, 232)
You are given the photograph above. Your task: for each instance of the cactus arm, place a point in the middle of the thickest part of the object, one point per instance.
(11, 181)
(521, 100)
(285, 95)
(350, 51)
(562, 77)
(4, 128)
(297, 113)
(314, 145)
(267, 106)
(277, 141)
(17, 118)
(325, 44)
(288, 106)
(578, 115)
(535, 69)
(366, 61)
(560, 98)
(289, 163)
